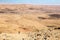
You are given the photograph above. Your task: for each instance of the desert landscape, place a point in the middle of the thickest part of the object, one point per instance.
(29, 22)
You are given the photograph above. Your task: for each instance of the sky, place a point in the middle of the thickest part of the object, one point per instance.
(48, 2)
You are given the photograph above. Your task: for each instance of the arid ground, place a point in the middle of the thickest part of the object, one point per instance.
(29, 22)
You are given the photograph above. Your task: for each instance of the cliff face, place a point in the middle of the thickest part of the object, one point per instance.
(29, 22)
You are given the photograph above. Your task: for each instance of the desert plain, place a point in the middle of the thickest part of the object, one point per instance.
(29, 22)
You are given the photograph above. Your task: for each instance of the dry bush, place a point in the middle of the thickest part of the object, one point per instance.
(55, 15)
(41, 18)
(31, 8)
(2, 11)
(6, 10)
(34, 9)
(57, 28)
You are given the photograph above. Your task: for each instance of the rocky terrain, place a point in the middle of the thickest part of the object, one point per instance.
(29, 22)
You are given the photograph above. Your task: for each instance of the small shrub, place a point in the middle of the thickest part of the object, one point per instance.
(2, 12)
(41, 18)
(57, 28)
(55, 15)
(31, 8)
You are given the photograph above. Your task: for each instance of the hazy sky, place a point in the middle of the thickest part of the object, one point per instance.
(53, 2)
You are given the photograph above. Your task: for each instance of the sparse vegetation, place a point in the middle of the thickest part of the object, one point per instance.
(55, 15)
(41, 18)
(51, 26)
(6, 10)
(31, 9)
(2, 12)
(34, 9)
(57, 28)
